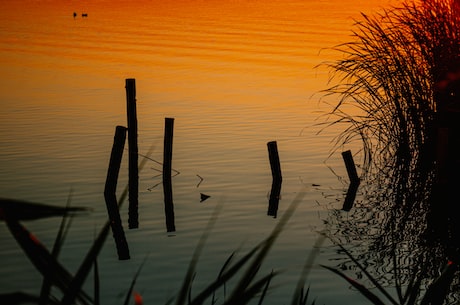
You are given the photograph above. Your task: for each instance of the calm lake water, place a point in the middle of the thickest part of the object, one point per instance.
(233, 74)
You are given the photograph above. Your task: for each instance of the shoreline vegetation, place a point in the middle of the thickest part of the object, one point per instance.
(398, 86)
(398, 89)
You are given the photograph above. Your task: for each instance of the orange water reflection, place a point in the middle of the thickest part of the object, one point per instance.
(180, 46)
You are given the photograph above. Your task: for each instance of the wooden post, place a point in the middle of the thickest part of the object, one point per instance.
(133, 219)
(274, 200)
(167, 168)
(350, 165)
(277, 179)
(350, 196)
(110, 193)
(354, 180)
(274, 160)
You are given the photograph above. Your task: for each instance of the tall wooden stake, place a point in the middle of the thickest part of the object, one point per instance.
(277, 179)
(133, 219)
(167, 168)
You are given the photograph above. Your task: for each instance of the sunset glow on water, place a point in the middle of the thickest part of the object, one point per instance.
(234, 75)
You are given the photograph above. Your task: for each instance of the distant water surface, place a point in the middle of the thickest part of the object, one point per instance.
(233, 74)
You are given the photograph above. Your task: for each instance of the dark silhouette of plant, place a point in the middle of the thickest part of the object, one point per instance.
(397, 83)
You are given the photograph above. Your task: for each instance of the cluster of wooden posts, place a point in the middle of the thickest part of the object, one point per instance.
(111, 201)
(133, 181)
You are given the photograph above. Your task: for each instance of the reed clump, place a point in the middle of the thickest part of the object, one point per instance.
(393, 84)
(392, 81)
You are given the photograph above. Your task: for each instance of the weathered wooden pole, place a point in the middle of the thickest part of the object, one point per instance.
(277, 178)
(350, 196)
(167, 168)
(354, 180)
(350, 165)
(133, 216)
(110, 193)
(274, 200)
(274, 160)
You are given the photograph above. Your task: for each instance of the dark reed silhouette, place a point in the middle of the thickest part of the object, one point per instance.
(398, 85)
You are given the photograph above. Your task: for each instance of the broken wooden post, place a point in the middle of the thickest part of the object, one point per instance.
(350, 165)
(354, 180)
(133, 216)
(350, 196)
(274, 200)
(277, 178)
(110, 193)
(167, 168)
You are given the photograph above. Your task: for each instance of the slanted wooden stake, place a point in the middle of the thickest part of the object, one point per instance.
(350, 165)
(354, 180)
(110, 190)
(167, 168)
(277, 179)
(350, 196)
(133, 219)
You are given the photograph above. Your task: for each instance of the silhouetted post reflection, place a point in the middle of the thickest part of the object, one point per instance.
(167, 168)
(110, 193)
(354, 180)
(133, 168)
(277, 179)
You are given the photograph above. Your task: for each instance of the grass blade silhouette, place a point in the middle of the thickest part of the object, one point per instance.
(224, 277)
(264, 292)
(43, 261)
(224, 267)
(437, 291)
(363, 290)
(265, 247)
(133, 282)
(186, 285)
(298, 297)
(94, 251)
(251, 291)
(60, 237)
(25, 210)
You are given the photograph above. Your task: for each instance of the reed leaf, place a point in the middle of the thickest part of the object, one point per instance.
(264, 292)
(187, 283)
(224, 276)
(251, 291)
(362, 289)
(17, 298)
(94, 251)
(25, 210)
(265, 247)
(133, 282)
(97, 284)
(438, 290)
(224, 267)
(298, 298)
(43, 261)
(59, 241)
